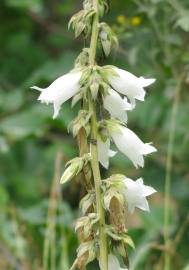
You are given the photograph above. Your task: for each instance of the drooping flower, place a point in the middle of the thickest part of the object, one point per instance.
(113, 263)
(104, 152)
(116, 105)
(60, 90)
(128, 84)
(135, 193)
(130, 145)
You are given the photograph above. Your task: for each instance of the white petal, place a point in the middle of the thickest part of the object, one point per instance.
(135, 193)
(148, 149)
(116, 105)
(143, 205)
(130, 184)
(128, 84)
(60, 90)
(127, 105)
(113, 263)
(36, 88)
(112, 153)
(130, 145)
(140, 181)
(146, 82)
(56, 106)
(131, 207)
(103, 152)
(147, 190)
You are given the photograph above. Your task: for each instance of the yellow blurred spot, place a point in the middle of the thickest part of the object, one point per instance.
(121, 19)
(136, 20)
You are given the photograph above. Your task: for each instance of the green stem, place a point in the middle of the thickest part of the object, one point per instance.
(50, 235)
(169, 163)
(94, 151)
(94, 36)
(97, 181)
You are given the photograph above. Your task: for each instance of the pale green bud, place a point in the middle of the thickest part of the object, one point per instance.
(75, 167)
(108, 38)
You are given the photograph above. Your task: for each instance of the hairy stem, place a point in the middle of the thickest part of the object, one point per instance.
(94, 151)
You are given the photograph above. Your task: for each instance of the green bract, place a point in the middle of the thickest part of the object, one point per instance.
(74, 167)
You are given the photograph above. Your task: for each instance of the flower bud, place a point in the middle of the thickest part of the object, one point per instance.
(75, 167)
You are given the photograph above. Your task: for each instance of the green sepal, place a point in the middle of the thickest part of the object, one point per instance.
(111, 125)
(89, 247)
(87, 202)
(81, 121)
(122, 237)
(87, 223)
(107, 71)
(81, 21)
(76, 98)
(110, 194)
(95, 81)
(74, 167)
(82, 59)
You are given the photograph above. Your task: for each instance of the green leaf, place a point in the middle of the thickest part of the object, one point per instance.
(23, 124)
(4, 198)
(35, 5)
(11, 101)
(183, 22)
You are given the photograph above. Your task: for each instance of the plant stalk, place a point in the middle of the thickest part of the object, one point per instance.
(169, 163)
(50, 236)
(94, 152)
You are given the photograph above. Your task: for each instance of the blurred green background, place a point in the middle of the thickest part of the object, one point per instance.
(35, 48)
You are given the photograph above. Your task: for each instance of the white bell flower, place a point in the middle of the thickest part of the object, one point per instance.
(128, 84)
(116, 105)
(60, 90)
(130, 145)
(113, 263)
(104, 152)
(135, 193)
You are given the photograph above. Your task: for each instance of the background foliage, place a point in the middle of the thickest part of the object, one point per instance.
(36, 47)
